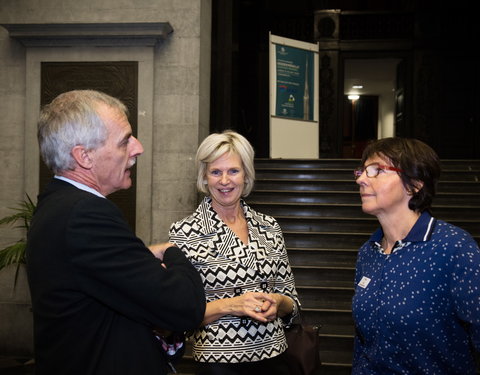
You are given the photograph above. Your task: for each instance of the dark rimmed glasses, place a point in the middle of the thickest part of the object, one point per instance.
(372, 170)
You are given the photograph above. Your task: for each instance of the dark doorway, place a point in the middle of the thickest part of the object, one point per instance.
(118, 79)
(360, 124)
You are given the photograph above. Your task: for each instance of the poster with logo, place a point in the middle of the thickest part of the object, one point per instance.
(294, 99)
(294, 72)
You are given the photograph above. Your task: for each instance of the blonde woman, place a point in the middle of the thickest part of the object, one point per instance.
(241, 257)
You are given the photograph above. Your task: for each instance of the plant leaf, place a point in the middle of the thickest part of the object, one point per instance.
(13, 254)
(23, 213)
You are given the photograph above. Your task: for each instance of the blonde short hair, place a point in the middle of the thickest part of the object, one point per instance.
(217, 144)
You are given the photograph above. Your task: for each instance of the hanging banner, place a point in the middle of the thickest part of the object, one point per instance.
(294, 82)
(294, 124)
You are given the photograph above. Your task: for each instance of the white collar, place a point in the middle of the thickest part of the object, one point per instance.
(80, 185)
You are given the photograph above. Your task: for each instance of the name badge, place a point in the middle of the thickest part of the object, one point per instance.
(364, 282)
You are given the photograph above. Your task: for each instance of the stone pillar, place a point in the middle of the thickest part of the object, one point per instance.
(326, 32)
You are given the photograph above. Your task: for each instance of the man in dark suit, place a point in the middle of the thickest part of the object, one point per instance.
(98, 293)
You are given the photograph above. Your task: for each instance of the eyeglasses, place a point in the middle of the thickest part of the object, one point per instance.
(372, 170)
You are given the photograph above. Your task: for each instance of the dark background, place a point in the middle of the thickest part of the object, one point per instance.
(437, 98)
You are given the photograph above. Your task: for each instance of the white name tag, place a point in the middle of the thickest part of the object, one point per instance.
(364, 282)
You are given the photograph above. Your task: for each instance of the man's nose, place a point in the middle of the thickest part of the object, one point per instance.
(137, 148)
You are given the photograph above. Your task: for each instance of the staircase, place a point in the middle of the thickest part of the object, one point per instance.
(317, 204)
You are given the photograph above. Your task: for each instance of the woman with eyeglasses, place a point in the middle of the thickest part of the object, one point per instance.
(417, 284)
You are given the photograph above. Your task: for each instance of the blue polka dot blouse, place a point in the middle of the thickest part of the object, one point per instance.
(417, 310)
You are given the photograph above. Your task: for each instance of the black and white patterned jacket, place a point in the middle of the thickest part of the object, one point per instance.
(229, 268)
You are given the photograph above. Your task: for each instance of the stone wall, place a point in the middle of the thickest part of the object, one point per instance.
(179, 120)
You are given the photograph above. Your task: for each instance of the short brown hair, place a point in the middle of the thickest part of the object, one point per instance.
(419, 163)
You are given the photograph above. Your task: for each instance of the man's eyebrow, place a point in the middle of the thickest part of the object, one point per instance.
(125, 137)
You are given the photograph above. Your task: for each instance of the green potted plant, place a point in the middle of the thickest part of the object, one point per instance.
(15, 253)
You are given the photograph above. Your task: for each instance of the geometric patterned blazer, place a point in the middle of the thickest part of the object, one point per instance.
(229, 268)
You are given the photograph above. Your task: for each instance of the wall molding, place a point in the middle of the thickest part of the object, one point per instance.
(90, 34)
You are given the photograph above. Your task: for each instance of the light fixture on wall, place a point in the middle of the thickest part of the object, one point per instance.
(353, 98)
(354, 93)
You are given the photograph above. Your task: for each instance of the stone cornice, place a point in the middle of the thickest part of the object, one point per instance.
(89, 34)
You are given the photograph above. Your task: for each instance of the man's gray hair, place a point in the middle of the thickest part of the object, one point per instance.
(72, 119)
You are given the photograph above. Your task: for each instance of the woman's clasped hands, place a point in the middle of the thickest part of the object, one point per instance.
(257, 305)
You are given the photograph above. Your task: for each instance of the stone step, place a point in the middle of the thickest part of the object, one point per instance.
(354, 210)
(328, 368)
(262, 184)
(347, 173)
(446, 164)
(262, 163)
(330, 321)
(337, 344)
(320, 297)
(327, 224)
(322, 257)
(364, 224)
(326, 196)
(309, 210)
(348, 185)
(327, 276)
(331, 240)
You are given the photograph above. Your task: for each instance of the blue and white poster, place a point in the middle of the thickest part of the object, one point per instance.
(294, 103)
(295, 85)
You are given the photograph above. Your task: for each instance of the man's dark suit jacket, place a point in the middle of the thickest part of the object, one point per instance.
(97, 291)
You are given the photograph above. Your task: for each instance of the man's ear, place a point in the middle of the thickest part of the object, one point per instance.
(82, 156)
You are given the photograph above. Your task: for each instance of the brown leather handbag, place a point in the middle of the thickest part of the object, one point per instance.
(303, 353)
